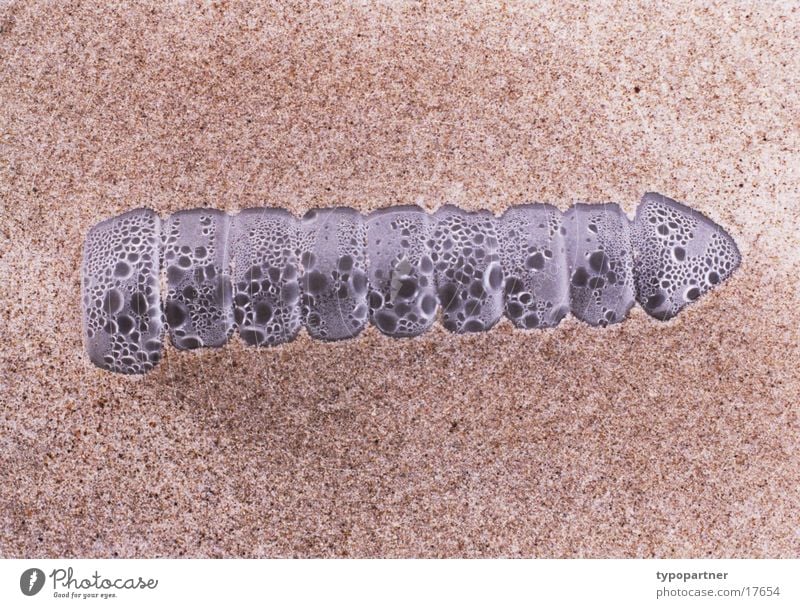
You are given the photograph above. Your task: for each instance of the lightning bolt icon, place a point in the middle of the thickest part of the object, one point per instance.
(31, 582)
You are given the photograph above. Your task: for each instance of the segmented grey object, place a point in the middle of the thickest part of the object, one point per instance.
(334, 283)
(600, 262)
(197, 306)
(466, 261)
(267, 273)
(121, 292)
(265, 245)
(534, 261)
(402, 292)
(680, 255)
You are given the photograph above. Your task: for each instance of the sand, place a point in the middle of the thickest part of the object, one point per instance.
(647, 439)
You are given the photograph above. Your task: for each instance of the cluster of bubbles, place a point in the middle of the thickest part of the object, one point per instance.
(402, 293)
(121, 297)
(265, 248)
(680, 255)
(466, 262)
(197, 306)
(600, 261)
(333, 304)
(267, 274)
(532, 252)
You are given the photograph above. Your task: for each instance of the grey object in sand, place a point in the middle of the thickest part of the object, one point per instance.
(266, 273)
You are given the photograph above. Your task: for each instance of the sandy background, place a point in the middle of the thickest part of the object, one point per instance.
(675, 439)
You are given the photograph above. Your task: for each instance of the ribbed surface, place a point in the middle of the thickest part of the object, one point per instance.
(268, 273)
